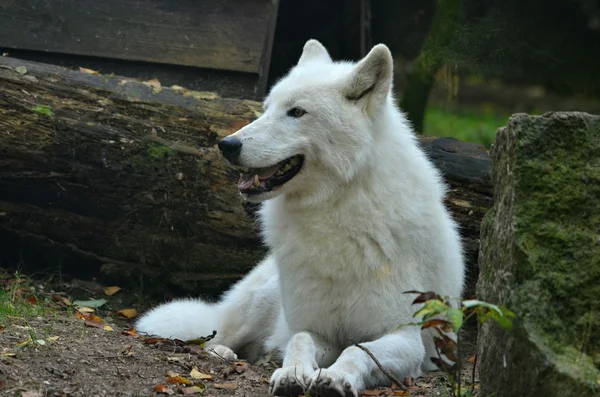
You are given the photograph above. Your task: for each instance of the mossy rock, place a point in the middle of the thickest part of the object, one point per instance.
(540, 256)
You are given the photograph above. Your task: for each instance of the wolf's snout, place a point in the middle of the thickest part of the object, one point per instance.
(230, 147)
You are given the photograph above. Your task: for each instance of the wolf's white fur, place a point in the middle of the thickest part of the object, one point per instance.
(362, 222)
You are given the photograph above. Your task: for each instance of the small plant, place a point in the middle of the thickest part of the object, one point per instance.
(445, 318)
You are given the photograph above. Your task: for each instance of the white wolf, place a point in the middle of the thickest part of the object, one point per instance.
(353, 215)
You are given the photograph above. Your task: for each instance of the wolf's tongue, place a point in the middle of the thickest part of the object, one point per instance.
(248, 180)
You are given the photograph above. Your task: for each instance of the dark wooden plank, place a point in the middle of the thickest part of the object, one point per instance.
(216, 34)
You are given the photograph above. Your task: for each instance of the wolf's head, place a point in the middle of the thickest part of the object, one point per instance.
(316, 131)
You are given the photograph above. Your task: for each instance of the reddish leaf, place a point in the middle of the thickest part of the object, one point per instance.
(163, 389)
(131, 332)
(32, 300)
(152, 341)
(82, 316)
(426, 296)
(446, 326)
(96, 324)
(179, 380)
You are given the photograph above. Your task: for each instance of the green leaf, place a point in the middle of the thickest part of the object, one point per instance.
(456, 318)
(431, 308)
(21, 69)
(90, 303)
(477, 303)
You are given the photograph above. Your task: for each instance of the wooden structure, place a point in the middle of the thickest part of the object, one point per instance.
(220, 35)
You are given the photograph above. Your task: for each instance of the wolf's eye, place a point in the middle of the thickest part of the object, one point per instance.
(296, 112)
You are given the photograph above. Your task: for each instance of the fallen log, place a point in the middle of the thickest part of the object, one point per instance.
(107, 176)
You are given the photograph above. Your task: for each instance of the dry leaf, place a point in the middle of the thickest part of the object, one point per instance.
(81, 316)
(24, 343)
(195, 374)
(154, 83)
(53, 338)
(226, 386)
(131, 332)
(31, 394)
(129, 313)
(401, 393)
(95, 324)
(179, 380)
(164, 389)
(111, 290)
(192, 390)
(95, 318)
(9, 354)
(32, 300)
(87, 71)
(1, 329)
(151, 341)
(85, 309)
(107, 328)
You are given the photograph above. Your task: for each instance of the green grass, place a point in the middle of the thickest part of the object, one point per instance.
(14, 304)
(477, 126)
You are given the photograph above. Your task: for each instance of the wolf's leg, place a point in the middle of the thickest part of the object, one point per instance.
(400, 353)
(304, 354)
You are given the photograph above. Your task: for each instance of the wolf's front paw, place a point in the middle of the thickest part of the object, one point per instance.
(290, 381)
(222, 352)
(333, 383)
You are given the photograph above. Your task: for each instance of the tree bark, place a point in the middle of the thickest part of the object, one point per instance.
(106, 176)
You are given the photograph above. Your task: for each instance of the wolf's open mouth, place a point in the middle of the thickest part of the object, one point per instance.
(262, 180)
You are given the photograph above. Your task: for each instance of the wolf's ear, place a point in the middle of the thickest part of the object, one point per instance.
(314, 50)
(372, 77)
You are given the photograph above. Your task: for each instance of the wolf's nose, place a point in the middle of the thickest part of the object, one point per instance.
(230, 147)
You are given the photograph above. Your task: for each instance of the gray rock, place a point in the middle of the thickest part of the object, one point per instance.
(540, 257)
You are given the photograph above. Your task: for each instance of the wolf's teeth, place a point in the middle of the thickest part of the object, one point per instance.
(256, 180)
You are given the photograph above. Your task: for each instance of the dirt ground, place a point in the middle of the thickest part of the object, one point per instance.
(49, 346)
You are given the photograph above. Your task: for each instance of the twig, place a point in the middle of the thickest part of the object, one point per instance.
(385, 372)
(473, 374)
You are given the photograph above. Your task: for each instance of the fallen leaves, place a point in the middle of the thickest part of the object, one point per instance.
(163, 389)
(191, 390)
(195, 374)
(154, 84)
(111, 290)
(127, 313)
(131, 332)
(93, 303)
(179, 380)
(21, 69)
(32, 300)
(29, 340)
(226, 386)
(87, 71)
